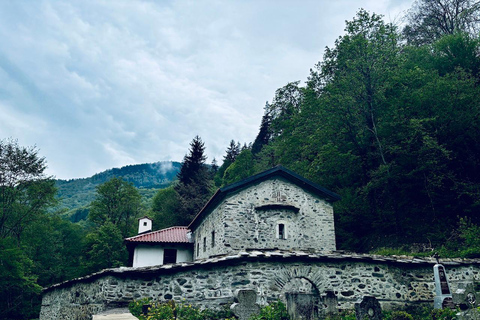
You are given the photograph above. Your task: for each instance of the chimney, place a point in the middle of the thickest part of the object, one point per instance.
(144, 225)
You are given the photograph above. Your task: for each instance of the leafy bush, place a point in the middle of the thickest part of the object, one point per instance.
(274, 311)
(171, 311)
(223, 313)
(400, 315)
(344, 315)
(443, 314)
(162, 311)
(136, 306)
(464, 242)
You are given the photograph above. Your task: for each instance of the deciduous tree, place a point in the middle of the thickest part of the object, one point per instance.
(429, 20)
(118, 202)
(25, 190)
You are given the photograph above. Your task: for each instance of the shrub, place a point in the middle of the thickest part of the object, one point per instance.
(222, 313)
(188, 312)
(274, 311)
(171, 311)
(400, 315)
(443, 314)
(160, 311)
(136, 306)
(343, 315)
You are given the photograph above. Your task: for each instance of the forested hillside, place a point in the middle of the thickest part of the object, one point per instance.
(389, 120)
(76, 194)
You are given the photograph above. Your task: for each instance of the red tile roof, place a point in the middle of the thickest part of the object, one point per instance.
(169, 235)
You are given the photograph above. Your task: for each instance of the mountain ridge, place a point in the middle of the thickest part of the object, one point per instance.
(75, 195)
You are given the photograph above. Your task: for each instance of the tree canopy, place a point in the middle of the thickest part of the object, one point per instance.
(430, 20)
(118, 202)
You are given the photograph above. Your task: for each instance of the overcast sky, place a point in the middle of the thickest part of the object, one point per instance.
(102, 84)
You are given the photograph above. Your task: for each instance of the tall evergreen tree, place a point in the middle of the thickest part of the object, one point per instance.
(194, 185)
(214, 167)
(194, 162)
(232, 152)
(265, 134)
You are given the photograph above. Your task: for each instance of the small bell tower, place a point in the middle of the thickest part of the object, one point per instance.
(144, 225)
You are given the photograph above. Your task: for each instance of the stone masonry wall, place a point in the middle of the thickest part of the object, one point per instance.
(249, 219)
(212, 283)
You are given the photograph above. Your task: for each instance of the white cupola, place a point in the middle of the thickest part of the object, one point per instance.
(144, 225)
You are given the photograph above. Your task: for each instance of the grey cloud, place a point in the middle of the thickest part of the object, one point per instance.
(101, 84)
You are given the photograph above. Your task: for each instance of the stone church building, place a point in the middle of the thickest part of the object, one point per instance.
(273, 210)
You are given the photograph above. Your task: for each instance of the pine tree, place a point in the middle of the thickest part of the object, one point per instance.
(232, 152)
(194, 186)
(265, 134)
(194, 162)
(214, 167)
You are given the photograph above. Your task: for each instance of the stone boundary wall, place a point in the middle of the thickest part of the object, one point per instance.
(396, 282)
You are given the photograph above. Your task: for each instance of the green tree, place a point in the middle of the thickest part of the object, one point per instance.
(105, 248)
(265, 133)
(285, 105)
(164, 208)
(54, 245)
(430, 20)
(193, 164)
(232, 152)
(243, 167)
(19, 289)
(25, 191)
(25, 195)
(118, 202)
(194, 186)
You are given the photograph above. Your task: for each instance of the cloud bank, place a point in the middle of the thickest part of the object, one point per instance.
(102, 84)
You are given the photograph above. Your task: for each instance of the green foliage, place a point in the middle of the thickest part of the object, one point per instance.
(195, 185)
(136, 306)
(54, 245)
(117, 202)
(274, 311)
(390, 128)
(443, 314)
(470, 234)
(113, 213)
(464, 242)
(399, 315)
(172, 311)
(105, 248)
(423, 314)
(264, 135)
(343, 315)
(25, 191)
(242, 168)
(391, 251)
(164, 206)
(25, 195)
(431, 20)
(17, 281)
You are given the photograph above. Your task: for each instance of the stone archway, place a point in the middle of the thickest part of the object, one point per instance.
(303, 299)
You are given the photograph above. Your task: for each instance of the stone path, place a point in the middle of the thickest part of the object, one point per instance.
(122, 316)
(115, 314)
